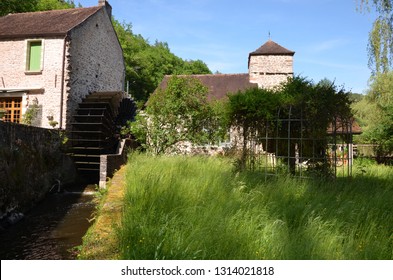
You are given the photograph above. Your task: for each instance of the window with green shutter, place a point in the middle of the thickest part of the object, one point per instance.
(34, 50)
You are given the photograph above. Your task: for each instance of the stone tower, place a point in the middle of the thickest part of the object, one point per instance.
(270, 65)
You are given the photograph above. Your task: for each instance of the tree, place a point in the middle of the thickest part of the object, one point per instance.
(379, 123)
(380, 46)
(252, 112)
(256, 113)
(17, 6)
(178, 113)
(46, 5)
(191, 67)
(147, 64)
(376, 115)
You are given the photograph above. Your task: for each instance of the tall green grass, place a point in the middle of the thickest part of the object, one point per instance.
(197, 208)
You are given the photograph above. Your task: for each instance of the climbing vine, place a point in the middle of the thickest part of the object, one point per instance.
(258, 112)
(31, 113)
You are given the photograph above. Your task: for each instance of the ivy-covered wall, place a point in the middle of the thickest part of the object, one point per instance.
(31, 160)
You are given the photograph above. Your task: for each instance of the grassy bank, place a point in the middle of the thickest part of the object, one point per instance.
(100, 242)
(197, 208)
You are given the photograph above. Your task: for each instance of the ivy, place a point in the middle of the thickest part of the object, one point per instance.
(31, 113)
(255, 112)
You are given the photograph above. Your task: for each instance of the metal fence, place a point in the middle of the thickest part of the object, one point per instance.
(370, 151)
(290, 144)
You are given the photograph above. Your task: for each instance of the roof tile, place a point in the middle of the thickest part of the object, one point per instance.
(219, 85)
(47, 23)
(272, 48)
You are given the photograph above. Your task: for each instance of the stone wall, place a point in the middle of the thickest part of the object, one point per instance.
(31, 162)
(13, 74)
(270, 70)
(94, 60)
(112, 162)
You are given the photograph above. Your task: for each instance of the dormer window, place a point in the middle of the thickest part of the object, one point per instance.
(34, 56)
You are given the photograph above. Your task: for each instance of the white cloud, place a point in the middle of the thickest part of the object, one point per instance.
(328, 45)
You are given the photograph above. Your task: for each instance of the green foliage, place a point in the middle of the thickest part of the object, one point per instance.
(18, 6)
(355, 97)
(193, 67)
(147, 64)
(245, 108)
(255, 113)
(31, 113)
(376, 113)
(180, 112)
(46, 5)
(380, 45)
(366, 114)
(381, 90)
(197, 208)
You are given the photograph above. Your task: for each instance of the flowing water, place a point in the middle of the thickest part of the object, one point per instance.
(52, 230)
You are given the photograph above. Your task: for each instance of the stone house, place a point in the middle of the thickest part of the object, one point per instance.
(268, 66)
(54, 59)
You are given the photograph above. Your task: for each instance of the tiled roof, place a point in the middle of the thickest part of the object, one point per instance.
(345, 127)
(219, 85)
(47, 23)
(272, 48)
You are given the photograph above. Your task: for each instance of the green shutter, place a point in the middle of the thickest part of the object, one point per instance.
(35, 56)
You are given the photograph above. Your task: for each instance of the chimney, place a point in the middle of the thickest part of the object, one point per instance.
(108, 7)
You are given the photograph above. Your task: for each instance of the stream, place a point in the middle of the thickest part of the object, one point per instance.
(51, 230)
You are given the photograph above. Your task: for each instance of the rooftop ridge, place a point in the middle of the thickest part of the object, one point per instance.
(49, 11)
(204, 75)
(44, 23)
(272, 48)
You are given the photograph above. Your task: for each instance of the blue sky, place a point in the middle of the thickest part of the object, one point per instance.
(329, 36)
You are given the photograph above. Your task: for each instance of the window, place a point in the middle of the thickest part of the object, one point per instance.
(12, 106)
(34, 56)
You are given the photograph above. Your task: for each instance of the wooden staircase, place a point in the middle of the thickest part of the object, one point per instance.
(96, 129)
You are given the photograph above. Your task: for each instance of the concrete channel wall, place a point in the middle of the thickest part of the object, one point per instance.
(31, 163)
(109, 164)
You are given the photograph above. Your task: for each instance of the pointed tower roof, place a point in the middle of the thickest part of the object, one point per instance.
(272, 48)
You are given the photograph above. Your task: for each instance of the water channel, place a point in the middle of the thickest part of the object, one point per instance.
(51, 230)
